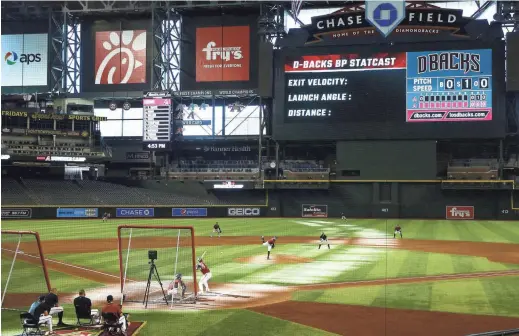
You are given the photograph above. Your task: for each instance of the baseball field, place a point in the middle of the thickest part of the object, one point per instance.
(441, 278)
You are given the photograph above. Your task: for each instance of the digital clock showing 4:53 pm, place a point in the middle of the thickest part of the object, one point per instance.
(155, 145)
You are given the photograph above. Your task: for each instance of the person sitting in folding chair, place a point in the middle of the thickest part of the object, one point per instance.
(84, 309)
(55, 309)
(42, 314)
(36, 304)
(30, 325)
(114, 309)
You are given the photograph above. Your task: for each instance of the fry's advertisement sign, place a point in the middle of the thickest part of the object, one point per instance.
(222, 53)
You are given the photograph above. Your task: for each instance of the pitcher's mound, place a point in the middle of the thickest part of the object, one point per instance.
(274, 259)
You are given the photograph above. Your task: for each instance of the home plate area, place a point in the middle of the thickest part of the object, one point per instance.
(221, 296)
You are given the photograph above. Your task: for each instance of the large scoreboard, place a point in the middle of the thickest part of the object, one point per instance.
(449, 86)
(390, 92)
(156, 121)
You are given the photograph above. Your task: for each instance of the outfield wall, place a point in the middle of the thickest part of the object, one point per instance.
(355, 200)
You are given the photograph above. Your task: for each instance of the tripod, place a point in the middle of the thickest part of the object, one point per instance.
(153, 271)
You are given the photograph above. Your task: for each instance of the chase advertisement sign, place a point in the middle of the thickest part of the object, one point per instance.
(135, 212)
(385, 15)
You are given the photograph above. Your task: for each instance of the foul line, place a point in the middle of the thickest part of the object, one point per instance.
(425, 278)
(65, 264)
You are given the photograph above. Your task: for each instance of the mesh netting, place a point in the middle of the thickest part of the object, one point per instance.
(174, 248)
(23, 272)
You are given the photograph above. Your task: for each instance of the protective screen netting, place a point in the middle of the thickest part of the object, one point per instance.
(23, 271)
(174, 248)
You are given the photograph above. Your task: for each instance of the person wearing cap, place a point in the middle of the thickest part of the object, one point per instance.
(271, 243)
(175, 285)
(115, 309)
(206, 276)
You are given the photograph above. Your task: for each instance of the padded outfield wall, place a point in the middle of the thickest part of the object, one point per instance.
(355, 200)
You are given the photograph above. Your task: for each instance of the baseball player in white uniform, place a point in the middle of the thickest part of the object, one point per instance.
(271, 243)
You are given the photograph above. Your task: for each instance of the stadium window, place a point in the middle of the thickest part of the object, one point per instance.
(111, 128)
(109, 114)
(132, 128)
(133, 113)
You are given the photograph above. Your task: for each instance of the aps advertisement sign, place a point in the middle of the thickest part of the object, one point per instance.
(24, 60)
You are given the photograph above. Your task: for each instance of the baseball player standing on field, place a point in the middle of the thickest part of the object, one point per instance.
(398, 230)
(271, 243)
(216, 229)
(206, 275)
(323, 240)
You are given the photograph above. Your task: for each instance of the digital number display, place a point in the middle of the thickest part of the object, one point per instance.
(449, 86)
(155, 146)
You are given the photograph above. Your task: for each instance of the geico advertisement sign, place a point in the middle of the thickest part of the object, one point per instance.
(25, 60)
(243, 212)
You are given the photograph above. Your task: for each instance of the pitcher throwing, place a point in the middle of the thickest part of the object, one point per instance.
(206, 275)
(271, 243)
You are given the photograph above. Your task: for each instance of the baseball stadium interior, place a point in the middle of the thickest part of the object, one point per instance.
(260, 168)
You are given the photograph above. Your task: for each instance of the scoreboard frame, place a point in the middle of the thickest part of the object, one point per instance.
(327, 130)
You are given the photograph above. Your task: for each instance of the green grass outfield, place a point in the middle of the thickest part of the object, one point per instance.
(489, 296)
(477, 231)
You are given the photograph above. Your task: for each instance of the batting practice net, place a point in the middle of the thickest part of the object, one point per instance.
(148, 254)
(24, 271)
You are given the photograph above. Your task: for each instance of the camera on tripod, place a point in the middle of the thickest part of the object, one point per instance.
(152, 255)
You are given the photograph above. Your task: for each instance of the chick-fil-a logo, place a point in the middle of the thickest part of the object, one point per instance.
(120, 57)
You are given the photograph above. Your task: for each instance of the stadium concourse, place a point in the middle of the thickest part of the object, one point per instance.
(260, 168)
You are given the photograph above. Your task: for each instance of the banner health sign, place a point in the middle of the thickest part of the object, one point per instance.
(76, 212)
(135, 212)
(189, 212)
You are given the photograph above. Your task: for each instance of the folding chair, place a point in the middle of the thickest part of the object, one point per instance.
(111, 325)
(84, 313)
(30, 325)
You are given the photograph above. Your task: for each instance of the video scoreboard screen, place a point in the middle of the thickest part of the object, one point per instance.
(396, 93)
(449, 86)
(156, 121)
